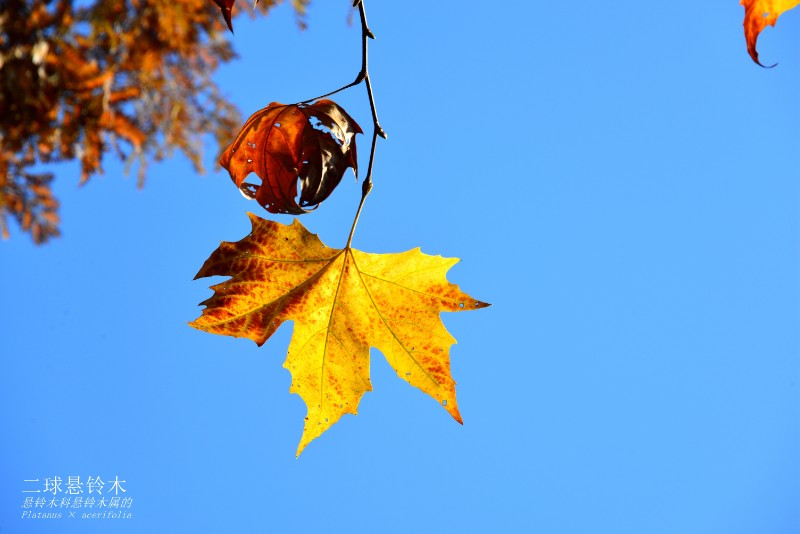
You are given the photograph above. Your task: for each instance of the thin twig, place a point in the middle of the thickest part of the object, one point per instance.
(363, 76)
(357, 81)
(366, 187)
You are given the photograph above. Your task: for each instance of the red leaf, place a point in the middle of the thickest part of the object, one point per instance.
(226, 6)
(284, 144)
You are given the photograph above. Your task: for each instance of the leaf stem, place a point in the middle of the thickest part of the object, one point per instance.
(366, 187)
(377, 130)
(357, 81)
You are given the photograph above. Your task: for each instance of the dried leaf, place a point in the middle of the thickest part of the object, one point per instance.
(283, 144)
(342, 303)
(226, 6)
(757, 15)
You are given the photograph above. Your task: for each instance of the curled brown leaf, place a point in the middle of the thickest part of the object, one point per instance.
(310, 144)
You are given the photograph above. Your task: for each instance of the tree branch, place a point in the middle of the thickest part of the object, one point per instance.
(366, 187)
(377, 130)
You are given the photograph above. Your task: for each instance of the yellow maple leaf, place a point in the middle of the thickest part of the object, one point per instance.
(342, 302)
(757, 15)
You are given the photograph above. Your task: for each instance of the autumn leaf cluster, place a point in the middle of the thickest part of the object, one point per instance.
(80, 80)
(134, 77)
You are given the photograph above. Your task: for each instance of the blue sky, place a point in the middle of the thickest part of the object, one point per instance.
(620, 182)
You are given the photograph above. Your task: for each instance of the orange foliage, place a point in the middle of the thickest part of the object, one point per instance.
(78, 81)
(757, 15)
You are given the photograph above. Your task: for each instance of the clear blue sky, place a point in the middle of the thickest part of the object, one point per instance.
(619, 180)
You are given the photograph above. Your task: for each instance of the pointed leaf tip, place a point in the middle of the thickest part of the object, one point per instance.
(758, 14)
(226, 6)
